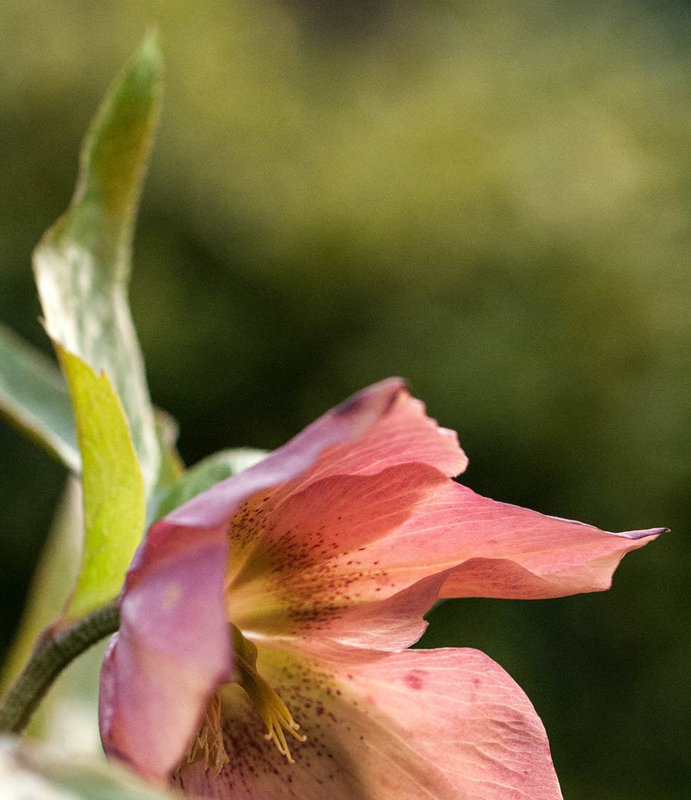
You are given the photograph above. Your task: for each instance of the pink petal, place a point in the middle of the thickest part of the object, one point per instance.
(341, 427)
(286, 581)
(440, 724)
(404, 434)
(494, 549)
(392, 624)
(171, 651)
(400, 434)
(358, 560)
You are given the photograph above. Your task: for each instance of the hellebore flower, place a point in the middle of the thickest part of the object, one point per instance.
(278, 606)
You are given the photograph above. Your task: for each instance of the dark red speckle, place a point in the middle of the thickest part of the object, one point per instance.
(414, 680)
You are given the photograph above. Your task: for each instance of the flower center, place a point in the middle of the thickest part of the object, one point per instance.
(269, 705)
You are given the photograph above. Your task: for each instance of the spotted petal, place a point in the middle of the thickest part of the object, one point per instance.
(300, 569)
(432, 725)
(342, 557)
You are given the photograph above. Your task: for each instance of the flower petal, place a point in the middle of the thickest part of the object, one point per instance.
(354, 559)
(400, 434)
(341, 427)
(171, 651)
(404, 434)
(440, 724)
(495, 550)
(290, 579)
(393, 624)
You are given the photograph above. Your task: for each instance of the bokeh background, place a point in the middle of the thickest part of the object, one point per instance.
(490, 199)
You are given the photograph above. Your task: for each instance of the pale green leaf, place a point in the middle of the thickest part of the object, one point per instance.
(113, 488)
(172, 468)
(30, 772)
(82, 264)
(34, 397)
(204, 474)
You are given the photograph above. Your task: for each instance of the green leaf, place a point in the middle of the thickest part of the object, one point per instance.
(172, 468)
(34, 397)
(204, 474)
(82, 264)
(29, 772)
(114, 494)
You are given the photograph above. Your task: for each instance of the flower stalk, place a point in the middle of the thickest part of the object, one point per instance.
(55, 651)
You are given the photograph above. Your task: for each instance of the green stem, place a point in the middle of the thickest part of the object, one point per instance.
(51, 656)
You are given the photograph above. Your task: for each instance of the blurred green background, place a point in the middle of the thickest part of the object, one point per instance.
(490, 199)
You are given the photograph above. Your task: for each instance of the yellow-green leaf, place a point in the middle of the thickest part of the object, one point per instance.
(82, 265)
(113, 488)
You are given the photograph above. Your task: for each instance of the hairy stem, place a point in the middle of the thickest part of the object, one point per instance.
(53, 653)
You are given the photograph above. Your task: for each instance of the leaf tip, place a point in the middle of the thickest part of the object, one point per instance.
(149, 51)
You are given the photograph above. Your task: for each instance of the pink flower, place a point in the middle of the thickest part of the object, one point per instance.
(278, 605)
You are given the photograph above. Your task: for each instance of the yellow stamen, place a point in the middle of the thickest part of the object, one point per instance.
(208, 745)
(269, 705)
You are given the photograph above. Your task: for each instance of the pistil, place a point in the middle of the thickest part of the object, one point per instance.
(271, 708)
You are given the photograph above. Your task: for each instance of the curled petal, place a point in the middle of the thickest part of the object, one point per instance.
(494, 549)
(404, 434)
(353, 558)
(359, 559)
